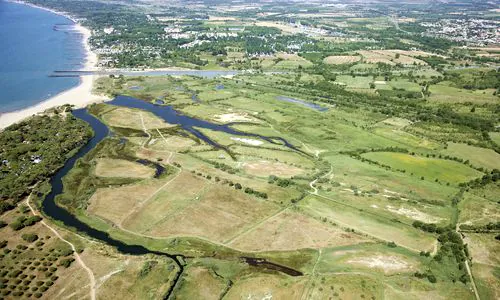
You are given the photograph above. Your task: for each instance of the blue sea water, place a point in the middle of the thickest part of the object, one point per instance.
(33, 44)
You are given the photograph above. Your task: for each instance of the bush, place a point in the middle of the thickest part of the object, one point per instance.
(66, 262)
(431, 278)
(29, 237)
(147, 267)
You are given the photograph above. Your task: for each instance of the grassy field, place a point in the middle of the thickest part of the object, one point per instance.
(432, 168)
(365, 223)
(476, 210)
(479, 157)
(445, 93)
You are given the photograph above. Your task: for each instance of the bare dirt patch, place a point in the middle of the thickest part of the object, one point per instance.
(233, 117)
(266, 168)
(291, 231)
(108, 167)
(414, 214)
(388, 264)
(248, 141)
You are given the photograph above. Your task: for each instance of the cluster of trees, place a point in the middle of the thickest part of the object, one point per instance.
(474, 79)
(256, 193)
(281, 182)
(490, 227)
(492, 176)
(454, 250)
(428, 275)
(33, 150)
(431, 227)
(23, 221)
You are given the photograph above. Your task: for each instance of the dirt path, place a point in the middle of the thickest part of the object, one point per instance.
(469, 272)
(316, 153)
(78, 258)
(308, 288)
(312, 183)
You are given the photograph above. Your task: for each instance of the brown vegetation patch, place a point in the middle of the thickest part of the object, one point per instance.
(267, 287)
(341, 59)
(115, 203)
(171, 143)
(389, 57)
(291, 231)
(216, 214)
(131, 118)
(200, 283)
(108, 167)
(266, 168)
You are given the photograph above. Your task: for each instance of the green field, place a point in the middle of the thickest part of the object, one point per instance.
(428, 168)
(478, 157)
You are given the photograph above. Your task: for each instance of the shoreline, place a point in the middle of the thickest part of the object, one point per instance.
(79, 96)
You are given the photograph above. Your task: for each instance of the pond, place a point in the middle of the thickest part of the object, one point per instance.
(302, 102)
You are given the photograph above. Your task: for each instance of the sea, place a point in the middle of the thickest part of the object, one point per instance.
(33, 44)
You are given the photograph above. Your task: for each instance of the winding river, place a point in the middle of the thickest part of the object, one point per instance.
(172, 116)
(101, 131)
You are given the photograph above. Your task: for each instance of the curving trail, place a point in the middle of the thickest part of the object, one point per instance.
(469, 272)
(312, 183)
(78, 258)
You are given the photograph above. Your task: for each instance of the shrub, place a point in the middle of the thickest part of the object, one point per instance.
(29, 237)
(147, 267)
(431, 278)
(66, 262)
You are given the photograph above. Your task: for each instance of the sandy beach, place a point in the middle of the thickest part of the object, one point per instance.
(79, 96)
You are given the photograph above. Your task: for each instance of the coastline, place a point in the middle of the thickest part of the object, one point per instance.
(79, 96)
